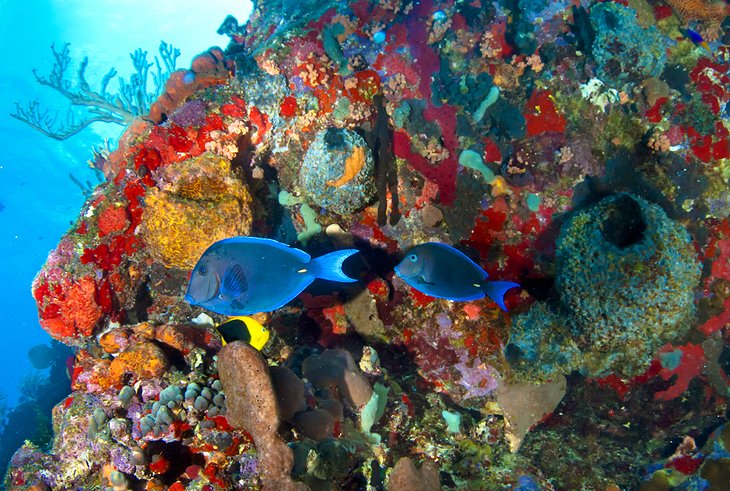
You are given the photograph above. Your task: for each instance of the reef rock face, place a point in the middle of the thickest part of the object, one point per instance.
(580, 149)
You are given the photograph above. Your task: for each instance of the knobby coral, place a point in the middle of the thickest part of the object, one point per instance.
(703, 10)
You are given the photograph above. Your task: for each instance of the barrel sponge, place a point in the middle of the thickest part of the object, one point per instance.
(197, 202)
(338, 171)
(626, 275)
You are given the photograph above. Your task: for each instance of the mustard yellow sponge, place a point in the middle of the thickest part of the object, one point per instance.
(199, 201)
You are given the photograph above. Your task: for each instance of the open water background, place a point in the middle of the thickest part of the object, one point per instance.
(37, 197)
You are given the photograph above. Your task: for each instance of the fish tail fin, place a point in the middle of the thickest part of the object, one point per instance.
(496, 290)
(329, 266)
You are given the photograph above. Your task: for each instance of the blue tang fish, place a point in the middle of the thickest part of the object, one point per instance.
(441, 271)
(245, 275)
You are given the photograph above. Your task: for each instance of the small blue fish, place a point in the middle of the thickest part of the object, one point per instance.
(441, 271)
(246, 275)
(697, 39)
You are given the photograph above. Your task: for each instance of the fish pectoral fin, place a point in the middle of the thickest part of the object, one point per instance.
(422, 281)
(234, 281)
(236, 305)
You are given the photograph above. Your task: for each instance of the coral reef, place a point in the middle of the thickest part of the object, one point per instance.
(579, 149)
(690, 466)
(624, 50)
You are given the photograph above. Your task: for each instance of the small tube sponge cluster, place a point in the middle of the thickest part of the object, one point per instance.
(173, 402)
(338, 171)
(626, 275)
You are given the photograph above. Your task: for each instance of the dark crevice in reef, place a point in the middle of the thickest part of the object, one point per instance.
(142, 301)
(623, 224)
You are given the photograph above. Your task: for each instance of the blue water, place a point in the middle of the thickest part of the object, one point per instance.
(38, 200)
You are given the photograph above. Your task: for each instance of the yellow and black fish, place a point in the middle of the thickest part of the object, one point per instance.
(244, 329)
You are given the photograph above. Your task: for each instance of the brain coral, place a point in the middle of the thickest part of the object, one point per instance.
(197, 202)
(337, 172)
(626, 275)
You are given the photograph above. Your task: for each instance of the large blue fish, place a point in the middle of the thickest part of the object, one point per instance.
(245, 275)
(441, 271)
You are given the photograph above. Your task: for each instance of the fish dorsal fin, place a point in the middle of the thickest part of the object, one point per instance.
(234, 281)
(275, 244)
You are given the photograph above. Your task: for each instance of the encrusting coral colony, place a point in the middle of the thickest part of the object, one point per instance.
(579, 148)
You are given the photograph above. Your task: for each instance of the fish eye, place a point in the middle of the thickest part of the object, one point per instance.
(413, 258)
(203, 271)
